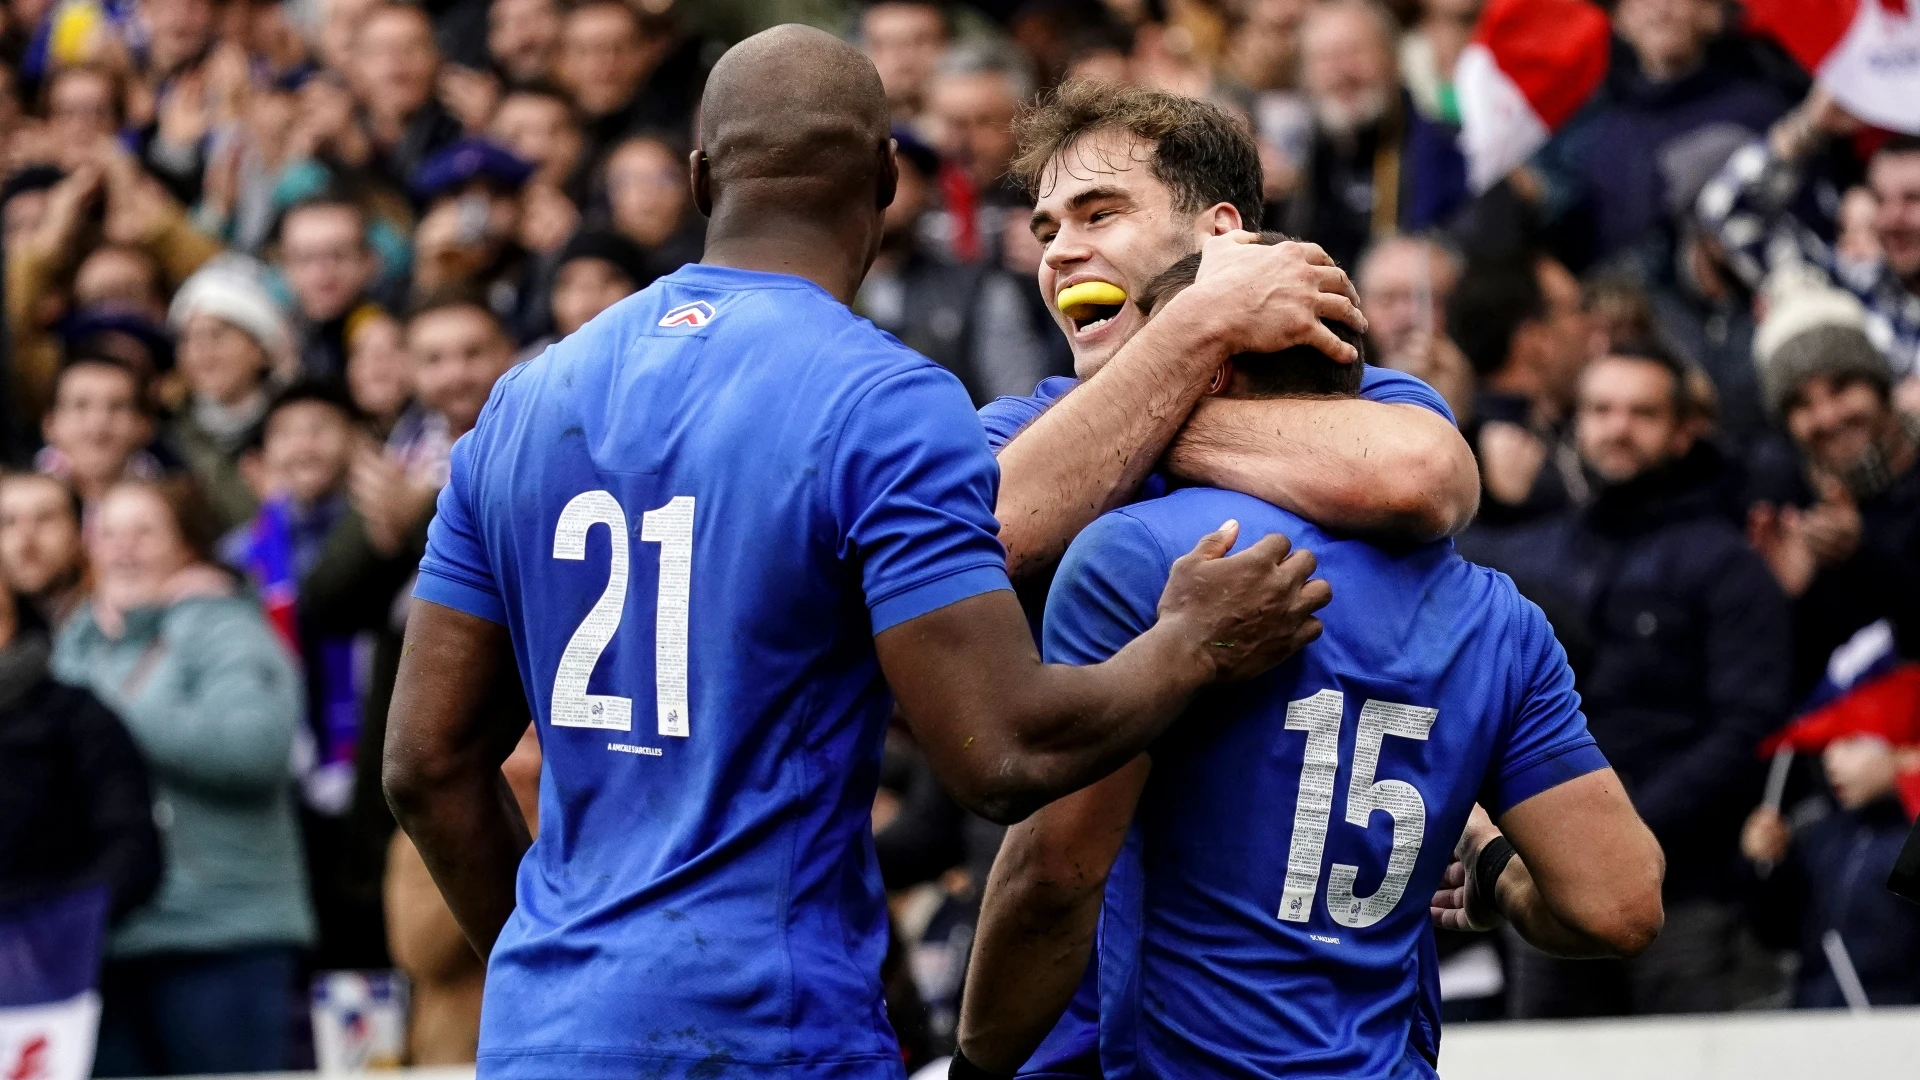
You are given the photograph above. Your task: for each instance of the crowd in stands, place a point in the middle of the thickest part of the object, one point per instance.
(265, 260)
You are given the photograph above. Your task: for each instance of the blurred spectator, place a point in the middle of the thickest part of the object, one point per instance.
(905, 40)
(1375, 165)
(1264, 52)
(85, 104)
(1429, 51)
(200, 980)
(395, 67)
(1675, 70)
(378, 375)
(522, 38)
(1841, 528)
(75, 810)
(969, 318)
(1679, 639)
(98, 428)
(1759, 208)
(597, 270)
(971, 104)
(123, 277)
(234, 344)
(471, 235)
(1521, 324)
(540, 127)
(651, 204)
(627, 72)
(1405, 285)
(328, 265)
(307, 438)
(1827, 879)
(40, 554)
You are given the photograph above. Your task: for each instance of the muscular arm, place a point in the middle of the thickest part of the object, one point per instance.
(1037, 922)
(442, 764)
(1358, 466)
(1088, 453)
(1586, 880)
(1007, 734)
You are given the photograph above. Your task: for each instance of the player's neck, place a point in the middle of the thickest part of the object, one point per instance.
(820, 253)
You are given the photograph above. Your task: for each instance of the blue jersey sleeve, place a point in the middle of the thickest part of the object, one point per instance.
(456, 571)
(913, 497)
(1106, 592)
(1546, 741)
(1004, 417)
(1390, 387)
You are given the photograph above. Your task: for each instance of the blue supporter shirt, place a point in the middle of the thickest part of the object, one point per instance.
(1071, 1048)
(693, 516)
(1273, 916)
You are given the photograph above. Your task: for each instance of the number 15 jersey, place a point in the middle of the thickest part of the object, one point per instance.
(693, 515)
(1266, 917)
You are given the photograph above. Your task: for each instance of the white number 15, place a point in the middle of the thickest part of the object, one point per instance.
(670, 526)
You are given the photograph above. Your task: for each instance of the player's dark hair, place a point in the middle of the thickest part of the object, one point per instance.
(1202, 153)
(1296, 371)
(1489, 305)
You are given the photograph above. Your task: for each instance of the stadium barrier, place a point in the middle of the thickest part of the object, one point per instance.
(1739, 1046)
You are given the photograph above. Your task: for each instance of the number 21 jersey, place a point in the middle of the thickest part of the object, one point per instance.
(693, 516)
(1266, 918)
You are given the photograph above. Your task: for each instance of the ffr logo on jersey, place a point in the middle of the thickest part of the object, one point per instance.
(695, 314)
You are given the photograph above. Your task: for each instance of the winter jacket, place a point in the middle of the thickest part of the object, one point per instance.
(74, 803)
(212, 699)
(1679, 639)
(1834, 878)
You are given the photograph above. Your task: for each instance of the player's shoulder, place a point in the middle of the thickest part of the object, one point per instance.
(1176, 521)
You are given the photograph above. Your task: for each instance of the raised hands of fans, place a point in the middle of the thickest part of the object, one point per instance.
(1510, 459)
(1812, 122)
(1457, 904)
(1832, 525)
(469, 95)
(1765, 836)
(1246, 612)
(67, 204)
(1774, 532)
(229, 82)
(184, 117)
(547, 218)
(1267, 297)
(326, 123)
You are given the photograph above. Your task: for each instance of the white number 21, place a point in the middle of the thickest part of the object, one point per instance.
(670, 526)
(1320, 717)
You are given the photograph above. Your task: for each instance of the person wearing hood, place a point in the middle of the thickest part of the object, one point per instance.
(1838, 520)
(1679, 640)
(235, 344)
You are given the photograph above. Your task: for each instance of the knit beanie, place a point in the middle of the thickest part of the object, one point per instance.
(231, 289)
(1812, 329)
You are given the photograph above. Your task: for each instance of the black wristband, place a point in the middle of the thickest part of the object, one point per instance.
(962, 1069)
(1487, 868)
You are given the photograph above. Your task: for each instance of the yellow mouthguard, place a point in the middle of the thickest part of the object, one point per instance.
(1075, 300)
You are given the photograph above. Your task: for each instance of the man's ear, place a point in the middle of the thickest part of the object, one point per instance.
(1220, 219)
(700, 174)
(889, 174)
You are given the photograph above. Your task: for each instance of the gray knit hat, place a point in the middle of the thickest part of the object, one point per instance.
(1812, 329)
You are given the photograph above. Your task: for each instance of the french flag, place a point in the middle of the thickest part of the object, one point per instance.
(1865, 52)
(49, 1011)
(1530, 66)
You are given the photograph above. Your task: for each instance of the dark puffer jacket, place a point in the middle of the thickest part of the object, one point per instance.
(1679, 639)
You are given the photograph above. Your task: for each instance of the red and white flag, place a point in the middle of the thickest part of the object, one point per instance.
(1865, 52)
(1529, 68)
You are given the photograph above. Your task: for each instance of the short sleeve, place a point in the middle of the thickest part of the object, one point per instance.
(456, 571)
(914, 490)
(1106, 592)
(1004, 417)
(1390, 387)
(1546, 742)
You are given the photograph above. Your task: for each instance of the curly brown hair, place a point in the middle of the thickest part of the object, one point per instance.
(1204, 154)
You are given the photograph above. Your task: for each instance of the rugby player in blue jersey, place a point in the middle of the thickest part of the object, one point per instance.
(709, 531)
(1247, 932)
(1126, 181)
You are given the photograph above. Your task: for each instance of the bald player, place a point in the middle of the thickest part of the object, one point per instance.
(710, 530)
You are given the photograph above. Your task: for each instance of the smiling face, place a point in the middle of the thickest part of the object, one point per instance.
(1102, 216)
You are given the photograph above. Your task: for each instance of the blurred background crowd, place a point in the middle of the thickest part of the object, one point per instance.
(264, 261)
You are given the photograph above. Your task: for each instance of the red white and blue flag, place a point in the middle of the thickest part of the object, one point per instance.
(1865, 52)
(49, 1011)
(1530, 67)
